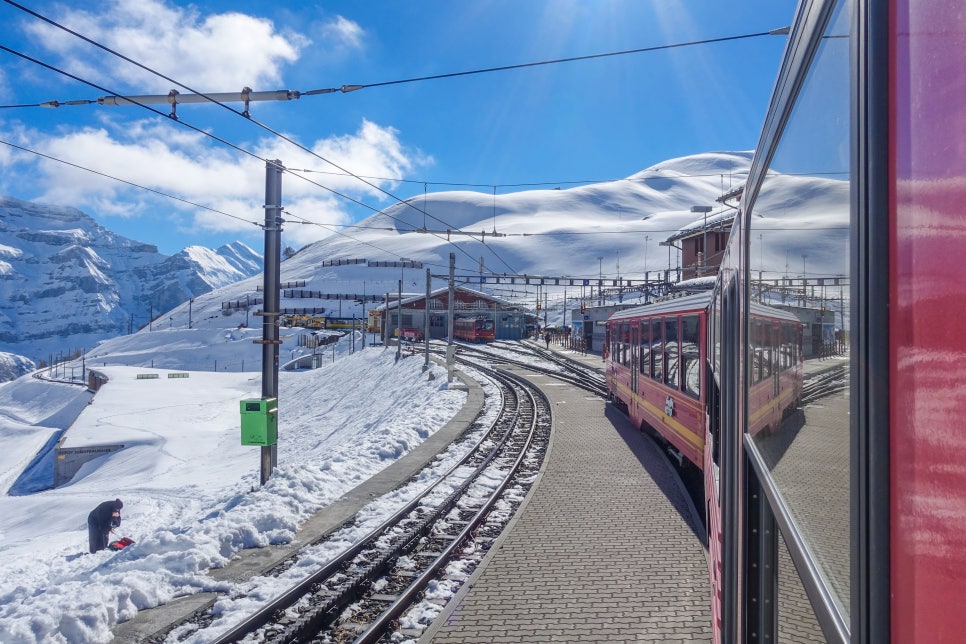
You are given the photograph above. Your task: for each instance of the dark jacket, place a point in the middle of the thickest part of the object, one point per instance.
(101, 515)
(100, 522)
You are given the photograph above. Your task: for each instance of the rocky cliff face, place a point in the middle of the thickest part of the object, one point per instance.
(67, 282)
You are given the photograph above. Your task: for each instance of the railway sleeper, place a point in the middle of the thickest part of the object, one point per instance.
(382, 597)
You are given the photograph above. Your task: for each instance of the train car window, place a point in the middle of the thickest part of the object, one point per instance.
(619, 345)
(635, 351)
(798, 260)
(657, 350)
(754, 350)
(767, 354)
(691, 354)
(626, 344)
(671, 346)
(645, 356)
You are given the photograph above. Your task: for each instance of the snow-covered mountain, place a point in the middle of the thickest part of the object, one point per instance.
(67, 282)
(605, 229)
(13, 366)
(608, 230)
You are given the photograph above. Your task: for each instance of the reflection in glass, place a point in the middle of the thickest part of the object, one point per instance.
(671, 352)
(646, 348)
(690, 357)
(657, 353)
(799, 241)
(796, 618)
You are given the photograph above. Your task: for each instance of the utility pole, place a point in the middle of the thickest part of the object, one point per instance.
(399, 323)
(270, 287)
(429, 279)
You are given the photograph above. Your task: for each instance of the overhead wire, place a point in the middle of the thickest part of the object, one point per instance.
(231, 109)
(361, 178)
(531, 183)
(346, 88)
(130, 183)
(556, 61)
(200, 131)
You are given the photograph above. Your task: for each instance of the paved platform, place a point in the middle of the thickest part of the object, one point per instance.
(606, 548)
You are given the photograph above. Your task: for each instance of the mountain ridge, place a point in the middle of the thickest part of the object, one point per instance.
(67, 282)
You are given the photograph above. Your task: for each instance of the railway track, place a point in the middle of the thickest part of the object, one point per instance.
(563, 368)
(825, 384)
(436, 539)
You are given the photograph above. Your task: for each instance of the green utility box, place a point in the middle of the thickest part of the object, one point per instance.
(259, 421)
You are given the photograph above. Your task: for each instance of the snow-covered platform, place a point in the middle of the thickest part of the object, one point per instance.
(124, 414)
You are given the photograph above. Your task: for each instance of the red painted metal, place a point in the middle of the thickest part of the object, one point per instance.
(928, 337)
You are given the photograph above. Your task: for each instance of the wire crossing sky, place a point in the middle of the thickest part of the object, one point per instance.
(523, 123)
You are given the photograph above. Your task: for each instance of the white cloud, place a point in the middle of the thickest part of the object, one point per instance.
(345, 32)
(164, 157)
(216, 52)
(372, 151)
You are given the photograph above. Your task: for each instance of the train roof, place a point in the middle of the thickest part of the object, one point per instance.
(763, 310)
(694, 303)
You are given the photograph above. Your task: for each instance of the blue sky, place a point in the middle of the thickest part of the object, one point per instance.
(556, 125)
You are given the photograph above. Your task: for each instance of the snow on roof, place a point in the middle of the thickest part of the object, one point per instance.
(715, 220)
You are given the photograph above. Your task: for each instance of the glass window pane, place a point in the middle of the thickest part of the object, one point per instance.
(645, 348)
(798, 404)
(690, 356)
(657, 352)
(796, 618)
(671, 352)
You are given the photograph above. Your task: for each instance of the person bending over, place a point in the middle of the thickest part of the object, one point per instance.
(102, 519)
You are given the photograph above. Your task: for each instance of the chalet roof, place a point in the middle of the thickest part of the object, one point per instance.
(720, 220)
(459, 289)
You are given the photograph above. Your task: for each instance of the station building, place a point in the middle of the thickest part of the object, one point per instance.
(408, 316)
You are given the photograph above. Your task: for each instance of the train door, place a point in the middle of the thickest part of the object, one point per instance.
(725, 606)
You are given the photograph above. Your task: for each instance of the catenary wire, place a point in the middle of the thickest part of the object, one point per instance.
(571, 59)
(219, 139)
(433, 77)
(229, 108)
(402, 81)
(130, 183)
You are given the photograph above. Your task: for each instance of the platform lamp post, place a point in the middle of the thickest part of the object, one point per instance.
(600, 280)
(704, 247)
(647, 286)
(804, 283)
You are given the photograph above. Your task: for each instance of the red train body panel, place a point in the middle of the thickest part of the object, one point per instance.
(846, 521)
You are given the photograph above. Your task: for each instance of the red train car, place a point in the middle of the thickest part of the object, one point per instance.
(657, 370)
(476, 329)
(848, 523)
